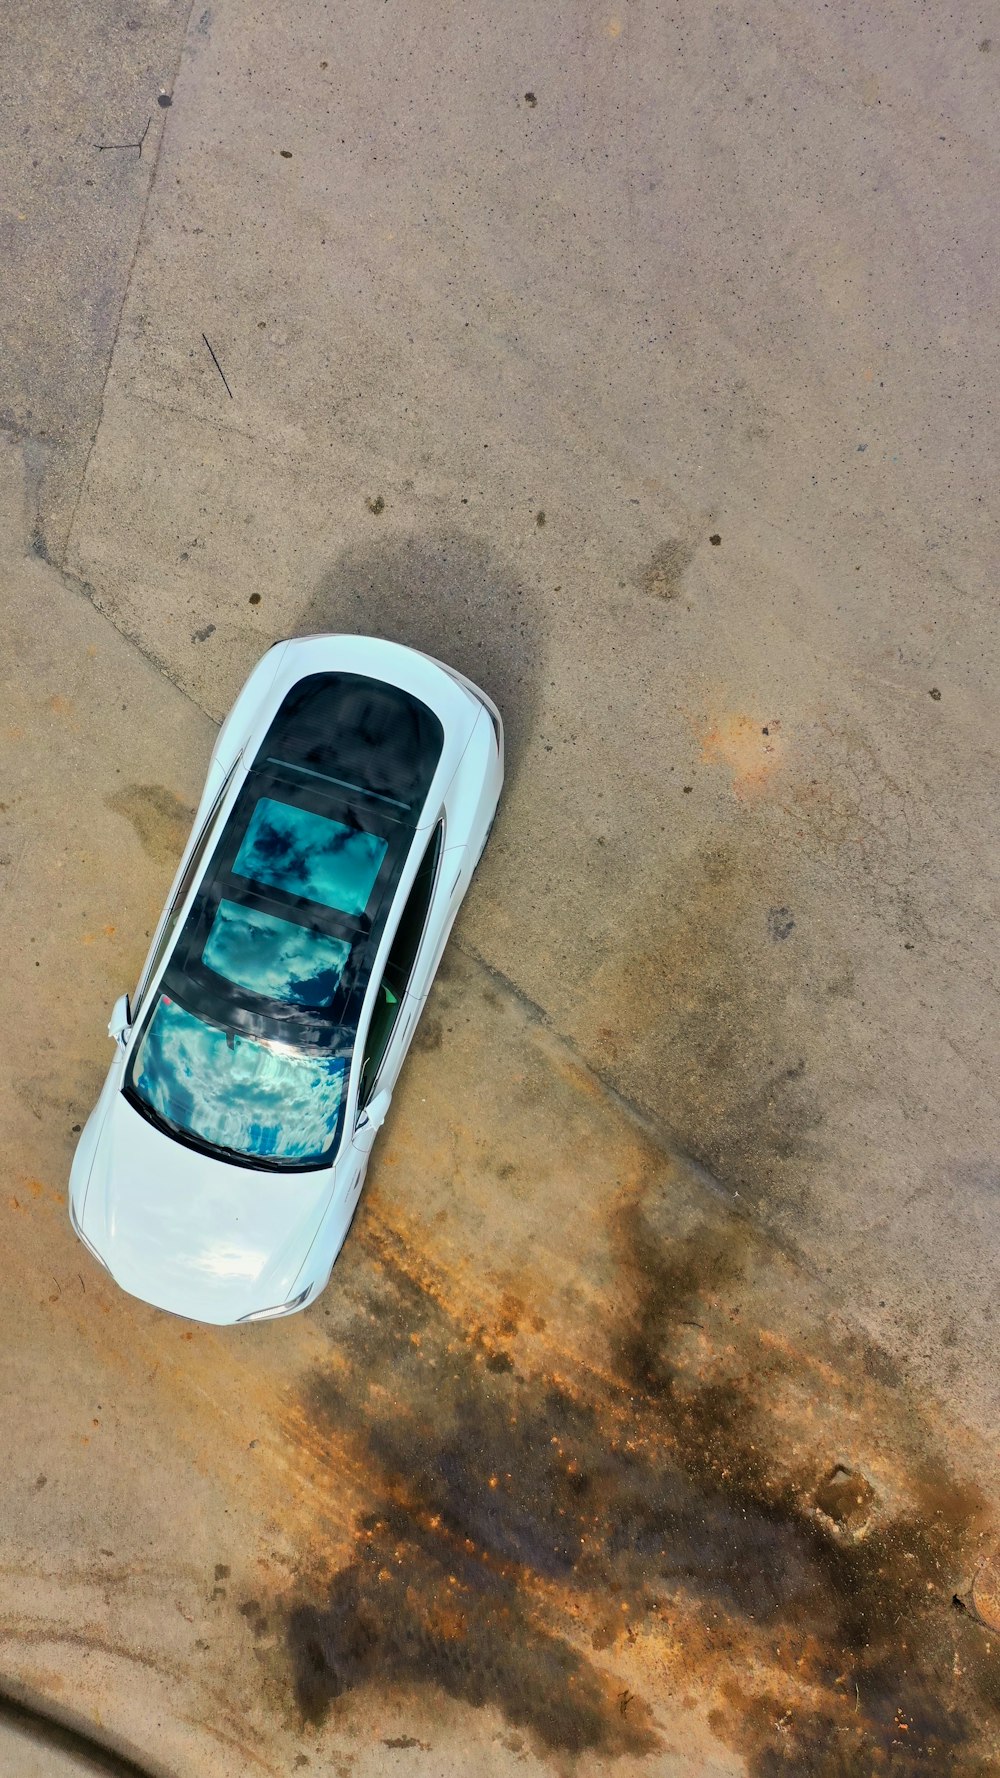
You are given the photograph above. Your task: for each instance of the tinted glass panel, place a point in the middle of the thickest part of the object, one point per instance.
(273, 957)
(360, 734)
(237, 1092)
(310, 855)
(399, 964)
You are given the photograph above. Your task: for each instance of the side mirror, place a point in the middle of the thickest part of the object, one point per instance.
(372, 1119)
(120, 1022)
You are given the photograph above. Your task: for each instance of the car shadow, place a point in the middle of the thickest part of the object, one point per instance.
(451, 596)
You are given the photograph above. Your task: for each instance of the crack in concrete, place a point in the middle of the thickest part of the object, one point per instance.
(151, 186)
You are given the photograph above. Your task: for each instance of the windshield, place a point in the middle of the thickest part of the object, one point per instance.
(254, 1097)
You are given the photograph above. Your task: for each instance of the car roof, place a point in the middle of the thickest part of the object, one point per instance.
(363, 735)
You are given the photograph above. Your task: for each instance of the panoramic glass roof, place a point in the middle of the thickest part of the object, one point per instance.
(303, 853)
(277, 958)
(249, 1044)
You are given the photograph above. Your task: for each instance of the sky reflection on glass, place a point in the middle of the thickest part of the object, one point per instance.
(310, 855)
(274, 957)
(249, 1097)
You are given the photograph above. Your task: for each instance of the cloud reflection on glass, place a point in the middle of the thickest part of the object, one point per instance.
(236, 1092)
(274, 957)
(310, 855)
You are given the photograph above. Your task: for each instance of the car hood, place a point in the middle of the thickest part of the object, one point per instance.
(194, 1235)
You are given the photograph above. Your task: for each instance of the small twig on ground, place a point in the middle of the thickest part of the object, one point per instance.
(102, 146)
(218, 367)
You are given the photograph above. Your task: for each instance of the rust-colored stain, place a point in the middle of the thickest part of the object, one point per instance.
(550, 1539)
(602, 1479)
(752, 749)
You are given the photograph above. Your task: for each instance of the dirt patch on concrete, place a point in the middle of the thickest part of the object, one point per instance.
(700, 1007)
(562, 1544)
(663, 575)
(161, 820)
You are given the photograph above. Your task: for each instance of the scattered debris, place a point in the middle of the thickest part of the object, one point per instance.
(218, 367)
(102, 147)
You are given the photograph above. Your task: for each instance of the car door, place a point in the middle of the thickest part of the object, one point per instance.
(397, 1002)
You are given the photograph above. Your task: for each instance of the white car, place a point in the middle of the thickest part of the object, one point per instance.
(349, 799)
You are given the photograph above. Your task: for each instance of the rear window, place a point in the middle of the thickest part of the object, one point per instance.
(360, 735)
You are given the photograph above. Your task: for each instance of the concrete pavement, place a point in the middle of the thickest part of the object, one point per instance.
(641, 364)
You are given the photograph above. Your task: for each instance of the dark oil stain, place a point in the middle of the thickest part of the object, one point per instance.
(881, 1366)
(429, 1034)
(642, 1495)
(164, 100)
(780, 923)
(715, 538)
(161, 820)
(691, 1016)
(202, 635)
(452, 597)
(530, 100)
(252, 1611)
(663, 575)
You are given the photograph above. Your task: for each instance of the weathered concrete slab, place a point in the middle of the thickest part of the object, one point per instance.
(503, 366)
(72, 211)
(718, 279)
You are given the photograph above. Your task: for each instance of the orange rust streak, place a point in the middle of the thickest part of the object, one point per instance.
(752, 748)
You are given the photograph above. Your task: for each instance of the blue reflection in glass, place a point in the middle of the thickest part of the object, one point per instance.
(310, 855)
(275, 957)
(254, 1097)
